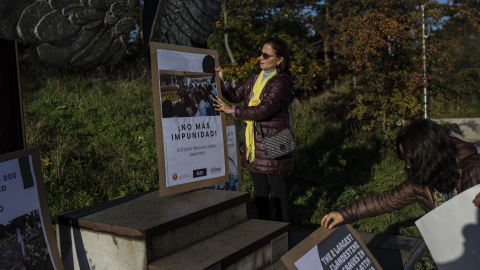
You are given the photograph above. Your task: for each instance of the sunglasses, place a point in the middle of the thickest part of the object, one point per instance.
(266, 56)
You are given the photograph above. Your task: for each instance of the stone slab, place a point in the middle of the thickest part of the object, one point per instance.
(147, 213)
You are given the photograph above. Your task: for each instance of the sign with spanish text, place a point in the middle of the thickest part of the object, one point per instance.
(191, 145)
(331, 249)
(27, 239)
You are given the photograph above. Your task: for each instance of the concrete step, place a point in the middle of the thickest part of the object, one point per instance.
(250, 245)
(139, 229)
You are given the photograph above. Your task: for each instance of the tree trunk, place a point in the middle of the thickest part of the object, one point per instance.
(327, 40)
(384, 123)
(227, 46)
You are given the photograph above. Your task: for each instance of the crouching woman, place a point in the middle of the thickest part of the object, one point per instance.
(438, 167)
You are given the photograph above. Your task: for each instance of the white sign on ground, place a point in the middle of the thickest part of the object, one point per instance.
(332, 249)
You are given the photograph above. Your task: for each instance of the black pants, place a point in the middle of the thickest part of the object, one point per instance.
(278, 182)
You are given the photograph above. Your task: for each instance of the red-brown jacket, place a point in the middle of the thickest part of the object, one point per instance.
(408, 193)
(272, 112)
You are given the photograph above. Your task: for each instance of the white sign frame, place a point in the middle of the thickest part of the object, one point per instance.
(191, 151)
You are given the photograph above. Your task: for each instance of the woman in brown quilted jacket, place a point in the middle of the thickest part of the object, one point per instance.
(438, 167)
(266, 96)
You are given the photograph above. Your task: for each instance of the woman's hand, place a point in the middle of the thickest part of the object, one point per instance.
(332, 219)
(476, 201)
(221, 106)
(220, 74)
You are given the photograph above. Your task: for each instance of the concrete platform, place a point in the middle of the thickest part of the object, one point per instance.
(467, 129)
(131, 232)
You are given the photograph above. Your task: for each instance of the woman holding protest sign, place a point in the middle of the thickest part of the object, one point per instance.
(267, 96)
(438, 167)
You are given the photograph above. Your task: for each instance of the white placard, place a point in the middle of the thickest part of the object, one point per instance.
(332, 249)
(191, 146)
(452, 232)
(194, 149)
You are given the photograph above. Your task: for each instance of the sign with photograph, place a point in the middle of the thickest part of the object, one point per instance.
(27, 240)
(191, 148)
(452, 235)
(234, 171)
(331, 249)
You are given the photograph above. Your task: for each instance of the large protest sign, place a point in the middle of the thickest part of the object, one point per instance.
(27, 240)
(452, 232)
(191, 149)
(331, 249)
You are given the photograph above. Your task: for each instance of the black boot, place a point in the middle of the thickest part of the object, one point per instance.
(263, 207)
(281, 213)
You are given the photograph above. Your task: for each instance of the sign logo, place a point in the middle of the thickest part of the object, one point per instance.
(183, 176)
(215, 170)
(199, 172)
(175, 176)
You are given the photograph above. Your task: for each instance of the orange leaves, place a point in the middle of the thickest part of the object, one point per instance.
(241, 72)
(370, 35)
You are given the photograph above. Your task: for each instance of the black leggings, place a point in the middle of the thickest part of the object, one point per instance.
(262, 192)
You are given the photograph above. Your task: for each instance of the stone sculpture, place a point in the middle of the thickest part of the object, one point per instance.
(91, 33)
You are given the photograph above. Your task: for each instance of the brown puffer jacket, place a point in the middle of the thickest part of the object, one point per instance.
(273, 114)
(408, 193)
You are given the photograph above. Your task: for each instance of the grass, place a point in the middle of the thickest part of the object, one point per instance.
(337, 164)
(96, 138)
(97, 141)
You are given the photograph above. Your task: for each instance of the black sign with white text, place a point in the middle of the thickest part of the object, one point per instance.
(341, 251)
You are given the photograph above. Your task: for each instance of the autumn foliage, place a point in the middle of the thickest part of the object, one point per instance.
(368, 53)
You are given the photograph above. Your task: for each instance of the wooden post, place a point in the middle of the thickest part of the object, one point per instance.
(12, 135)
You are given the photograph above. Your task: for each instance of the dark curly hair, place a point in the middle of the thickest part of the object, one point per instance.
(429, 154)
(281, 49)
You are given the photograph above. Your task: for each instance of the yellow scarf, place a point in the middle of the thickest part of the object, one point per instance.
(254, 101)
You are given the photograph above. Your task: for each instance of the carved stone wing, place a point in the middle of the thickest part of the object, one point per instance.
(91, 33)
(186, 23)
(80, 33)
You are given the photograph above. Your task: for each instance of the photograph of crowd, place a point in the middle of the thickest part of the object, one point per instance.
(187, 96)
